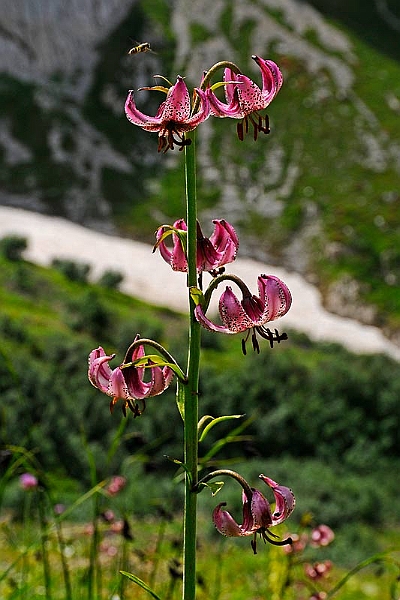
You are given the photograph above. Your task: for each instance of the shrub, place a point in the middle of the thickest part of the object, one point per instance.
(74, 271)
(111, 279)
(12, 247)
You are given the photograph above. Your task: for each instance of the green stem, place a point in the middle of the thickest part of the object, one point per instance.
(43, 539)
(191, 388)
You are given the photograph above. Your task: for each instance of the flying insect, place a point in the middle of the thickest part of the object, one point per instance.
(144, 47)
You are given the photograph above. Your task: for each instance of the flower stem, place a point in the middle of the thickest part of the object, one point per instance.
(191, 388)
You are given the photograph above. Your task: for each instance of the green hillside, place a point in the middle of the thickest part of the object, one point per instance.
(313, 405)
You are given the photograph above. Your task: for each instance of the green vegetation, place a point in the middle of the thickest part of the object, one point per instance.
(304, 404)
(314, 416)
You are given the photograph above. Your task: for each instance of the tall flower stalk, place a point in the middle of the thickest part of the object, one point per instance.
(191, 389)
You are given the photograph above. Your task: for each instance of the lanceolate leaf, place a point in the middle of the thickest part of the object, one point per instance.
(215, 421)
(140, 583)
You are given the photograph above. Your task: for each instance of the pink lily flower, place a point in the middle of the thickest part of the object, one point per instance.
(212, 253)
(173, 116)
(126, 382)
(252, 312)
(257, 514)
(244, 98)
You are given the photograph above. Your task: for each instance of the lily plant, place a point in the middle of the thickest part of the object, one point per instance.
(145, 373)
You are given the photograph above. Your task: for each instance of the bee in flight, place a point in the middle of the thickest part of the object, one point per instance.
(145, 47)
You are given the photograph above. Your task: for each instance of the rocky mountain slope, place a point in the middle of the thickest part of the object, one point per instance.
(319, 195)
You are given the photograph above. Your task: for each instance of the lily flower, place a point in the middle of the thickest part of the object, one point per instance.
(257, 514)
(252, 312)
(212, 253)
(126, 382)
(244, 98)
(173, 118)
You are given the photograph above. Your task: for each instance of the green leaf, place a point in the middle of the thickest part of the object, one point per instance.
(156, 360)
(197, 295)
(140, 583)
(214, 486)
(215, 421)
(180, 399)
(176, 461)
(169, 230)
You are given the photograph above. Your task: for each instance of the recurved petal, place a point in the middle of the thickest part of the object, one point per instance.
(202, 114)
(275, 296)
(177, 104)
(160, 379)
(207, 324)
(99, 371)
(272, 78)
(221, 109)
(232, 313)
(137, 353)
(225, 240)
(140, 389)
(136, 117)
(284, 500)
(168, 376)
(250, 96)
(208, 257)
(226, 524)
(117, 387)
(260, 510)
(229, 78)
(176, 257)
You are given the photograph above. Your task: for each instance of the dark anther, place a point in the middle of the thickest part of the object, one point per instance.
(266, 333)
(254, 545)
(167, 141)
(217, 272)
(254, 341)
(134, 407)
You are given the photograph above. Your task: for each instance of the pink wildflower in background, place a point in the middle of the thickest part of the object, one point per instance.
(322, 536)
(28, 481)
(116, 484)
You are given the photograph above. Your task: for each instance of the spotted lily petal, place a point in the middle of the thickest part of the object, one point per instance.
(176, 257)
(225, 240)
(284, 500)
(232, 313)
(261, 511)
(274, 296)
(227, 525)
(99, 372)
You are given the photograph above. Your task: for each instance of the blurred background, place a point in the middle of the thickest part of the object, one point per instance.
(319, 196)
